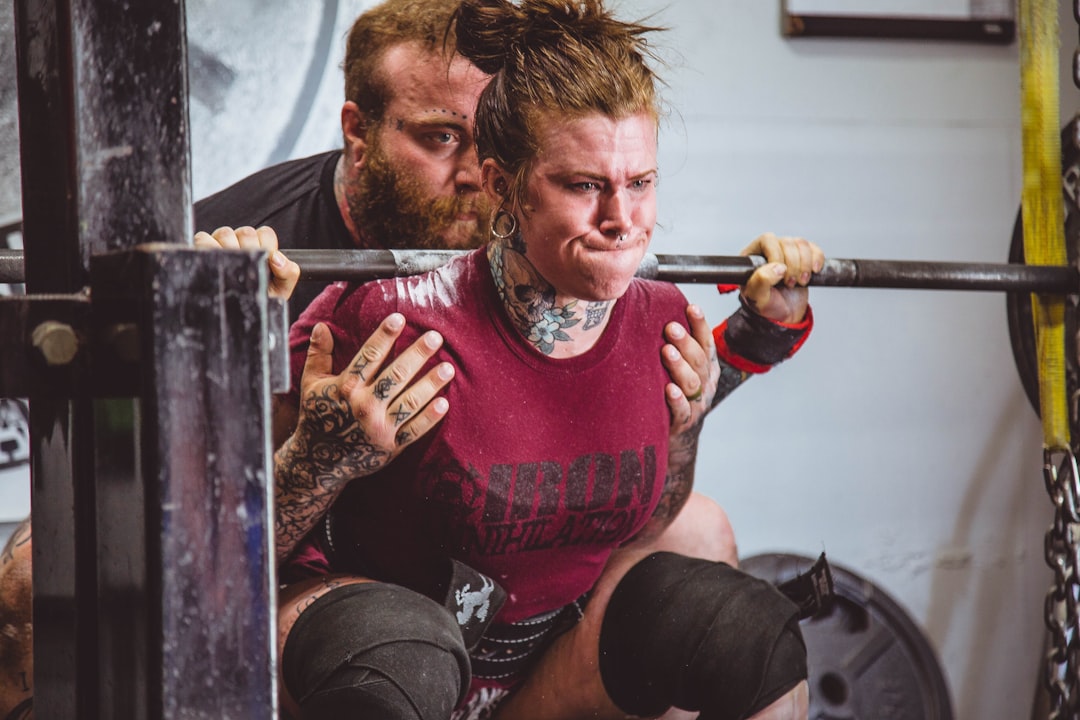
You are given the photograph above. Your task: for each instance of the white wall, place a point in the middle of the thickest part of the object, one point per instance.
(899, 440)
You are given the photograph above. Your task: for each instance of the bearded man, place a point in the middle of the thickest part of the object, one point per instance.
(407, 177)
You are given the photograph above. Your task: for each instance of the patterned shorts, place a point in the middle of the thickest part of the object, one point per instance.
(481, 705)
(506, 652)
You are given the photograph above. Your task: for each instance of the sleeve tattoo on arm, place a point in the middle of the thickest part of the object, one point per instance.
(313, 465)
(678, 483)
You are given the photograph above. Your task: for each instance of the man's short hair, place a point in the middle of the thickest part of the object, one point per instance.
(388, 24)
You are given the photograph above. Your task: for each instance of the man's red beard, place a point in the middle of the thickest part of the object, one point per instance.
(390, 210)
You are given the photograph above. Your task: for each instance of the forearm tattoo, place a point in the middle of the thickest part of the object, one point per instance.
(730, 379)
(679, 482)
(311, 468)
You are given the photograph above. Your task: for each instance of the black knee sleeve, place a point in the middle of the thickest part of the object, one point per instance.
(700, 636)
(376, 650)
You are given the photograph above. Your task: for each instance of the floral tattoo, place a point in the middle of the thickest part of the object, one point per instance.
(530, 299)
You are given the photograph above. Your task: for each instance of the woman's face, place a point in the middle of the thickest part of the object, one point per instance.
(591, 203)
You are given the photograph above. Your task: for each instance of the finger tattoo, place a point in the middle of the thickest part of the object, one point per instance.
(401, 414)
(359, 367)
(383, 387)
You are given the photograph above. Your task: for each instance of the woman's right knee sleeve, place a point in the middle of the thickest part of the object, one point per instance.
(376, 650)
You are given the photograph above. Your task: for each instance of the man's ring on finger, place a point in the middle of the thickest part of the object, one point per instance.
(697, 395)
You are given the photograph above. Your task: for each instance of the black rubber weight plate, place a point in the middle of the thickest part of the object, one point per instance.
(867, 659)
(1018, 304)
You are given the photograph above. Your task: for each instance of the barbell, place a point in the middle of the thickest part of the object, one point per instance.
(365, 265)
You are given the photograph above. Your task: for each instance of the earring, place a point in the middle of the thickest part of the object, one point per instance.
(501, 219)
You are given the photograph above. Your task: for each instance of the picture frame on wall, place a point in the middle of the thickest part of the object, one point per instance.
(983, 21)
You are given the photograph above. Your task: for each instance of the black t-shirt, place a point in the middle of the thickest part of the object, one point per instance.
(296, 199)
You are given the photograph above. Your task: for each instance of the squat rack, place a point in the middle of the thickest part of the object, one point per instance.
(152, 565)
(137, 476)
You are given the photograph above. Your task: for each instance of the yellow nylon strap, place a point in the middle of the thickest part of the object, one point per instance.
(1043, 208)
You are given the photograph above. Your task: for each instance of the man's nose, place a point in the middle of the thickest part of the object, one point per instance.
(467, 172)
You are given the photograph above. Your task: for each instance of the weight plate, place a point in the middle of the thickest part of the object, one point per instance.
(867, 658)
(1018, 304)
(1021, 323)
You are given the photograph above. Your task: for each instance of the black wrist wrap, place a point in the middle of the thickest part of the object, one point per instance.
(758, 339)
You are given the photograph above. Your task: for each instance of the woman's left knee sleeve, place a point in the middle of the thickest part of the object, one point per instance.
(698, 635)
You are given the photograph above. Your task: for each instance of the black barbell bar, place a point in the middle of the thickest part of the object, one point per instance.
(364, 265)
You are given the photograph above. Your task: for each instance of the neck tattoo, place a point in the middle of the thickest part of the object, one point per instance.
(595, 313)
(529, 299)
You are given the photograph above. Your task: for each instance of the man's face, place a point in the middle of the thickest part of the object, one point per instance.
(419, 183)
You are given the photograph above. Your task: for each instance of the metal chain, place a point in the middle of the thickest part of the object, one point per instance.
(1062, 543)
(1062, 550)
